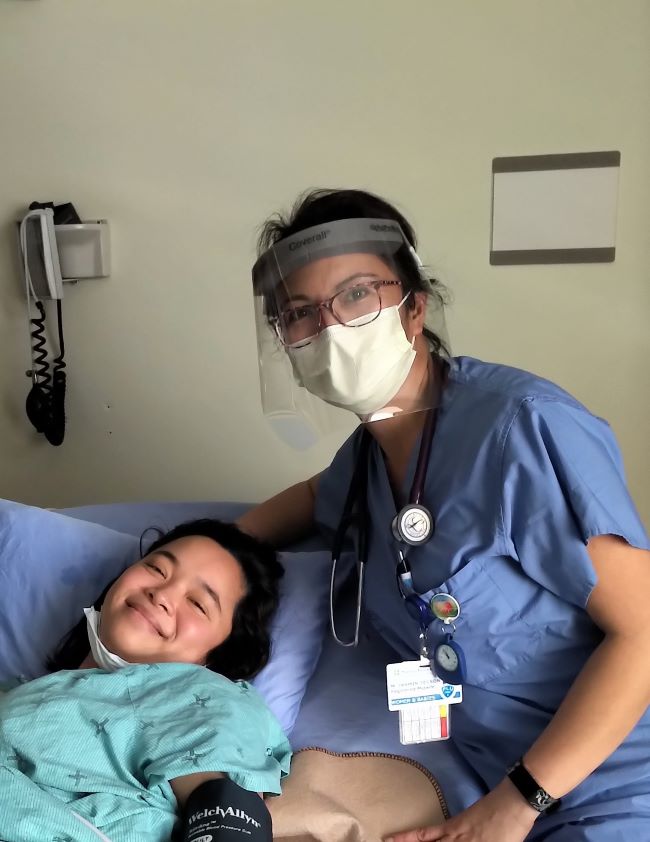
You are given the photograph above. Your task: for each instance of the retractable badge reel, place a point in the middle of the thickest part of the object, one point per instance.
(447, 658)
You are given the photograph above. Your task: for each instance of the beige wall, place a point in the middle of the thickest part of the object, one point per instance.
(185, 122)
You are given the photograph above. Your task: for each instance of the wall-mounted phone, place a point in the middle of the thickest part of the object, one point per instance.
(55, 246)
(45, 404)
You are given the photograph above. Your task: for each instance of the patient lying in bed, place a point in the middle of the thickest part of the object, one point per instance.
(148, 699)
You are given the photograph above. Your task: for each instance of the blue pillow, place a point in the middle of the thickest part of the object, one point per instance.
(297, 633)
(52, 565)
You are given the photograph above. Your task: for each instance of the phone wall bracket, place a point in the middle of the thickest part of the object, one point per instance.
(84, 250)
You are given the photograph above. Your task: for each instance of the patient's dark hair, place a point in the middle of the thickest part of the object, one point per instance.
(246, 650)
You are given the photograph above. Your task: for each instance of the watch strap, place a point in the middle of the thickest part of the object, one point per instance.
(535, 795)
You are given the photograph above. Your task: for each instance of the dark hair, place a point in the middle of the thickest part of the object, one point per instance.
(246, 650)
(319, 206)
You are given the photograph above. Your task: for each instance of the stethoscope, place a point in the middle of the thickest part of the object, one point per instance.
(413, 526)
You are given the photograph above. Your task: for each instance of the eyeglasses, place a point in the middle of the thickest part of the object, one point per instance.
(353, 306)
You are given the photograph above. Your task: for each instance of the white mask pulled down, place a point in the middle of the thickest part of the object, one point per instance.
(104, 659)
(356, 368)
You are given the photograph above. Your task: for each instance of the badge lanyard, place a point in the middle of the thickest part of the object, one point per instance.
(424, 690)
(414, 525)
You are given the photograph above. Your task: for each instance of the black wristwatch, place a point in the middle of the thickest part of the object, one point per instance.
(531, 791)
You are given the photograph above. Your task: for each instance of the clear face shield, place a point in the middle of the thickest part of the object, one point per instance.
(340, 310)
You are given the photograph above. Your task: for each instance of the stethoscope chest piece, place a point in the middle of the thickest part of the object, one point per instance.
(413, 525)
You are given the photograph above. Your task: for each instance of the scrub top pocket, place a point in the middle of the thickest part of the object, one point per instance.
(491, 629)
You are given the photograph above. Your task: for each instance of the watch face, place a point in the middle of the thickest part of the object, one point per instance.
(415, 523)
(446, 657)
(542, 799)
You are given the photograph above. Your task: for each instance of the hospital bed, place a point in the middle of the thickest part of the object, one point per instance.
(351, 778)
(344, 709)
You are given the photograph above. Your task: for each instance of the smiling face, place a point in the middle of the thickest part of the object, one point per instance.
(176, 604)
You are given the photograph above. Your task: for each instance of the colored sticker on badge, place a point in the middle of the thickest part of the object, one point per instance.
(423, 723)
(444, 607)
(444, 722)
(449, 693)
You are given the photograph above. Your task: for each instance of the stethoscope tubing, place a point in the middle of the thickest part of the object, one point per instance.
(358, 494)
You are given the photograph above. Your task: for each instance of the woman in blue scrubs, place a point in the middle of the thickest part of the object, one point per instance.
(535, 535)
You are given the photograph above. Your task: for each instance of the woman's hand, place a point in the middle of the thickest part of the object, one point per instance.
(500, 816)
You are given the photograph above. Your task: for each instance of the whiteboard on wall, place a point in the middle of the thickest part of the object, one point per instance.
(554, 208)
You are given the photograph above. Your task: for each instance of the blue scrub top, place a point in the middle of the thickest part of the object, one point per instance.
(520, 476)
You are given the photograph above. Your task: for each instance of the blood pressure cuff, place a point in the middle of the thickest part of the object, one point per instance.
(221, 811)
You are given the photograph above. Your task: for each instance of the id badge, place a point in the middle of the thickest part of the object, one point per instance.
(422, 700)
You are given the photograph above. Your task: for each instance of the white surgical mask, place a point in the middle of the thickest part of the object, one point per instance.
(103, 658)
(356, 368)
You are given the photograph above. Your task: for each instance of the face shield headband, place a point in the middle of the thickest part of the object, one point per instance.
(382, 237)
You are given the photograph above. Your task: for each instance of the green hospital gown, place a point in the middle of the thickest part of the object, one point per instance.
(104, 745)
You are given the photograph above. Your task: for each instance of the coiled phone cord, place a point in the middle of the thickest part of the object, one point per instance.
(45, 403)
(40, 364)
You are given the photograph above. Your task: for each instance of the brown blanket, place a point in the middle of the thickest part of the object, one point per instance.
(354, 798)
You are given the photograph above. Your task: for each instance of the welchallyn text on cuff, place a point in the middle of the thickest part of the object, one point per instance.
(221, 811)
